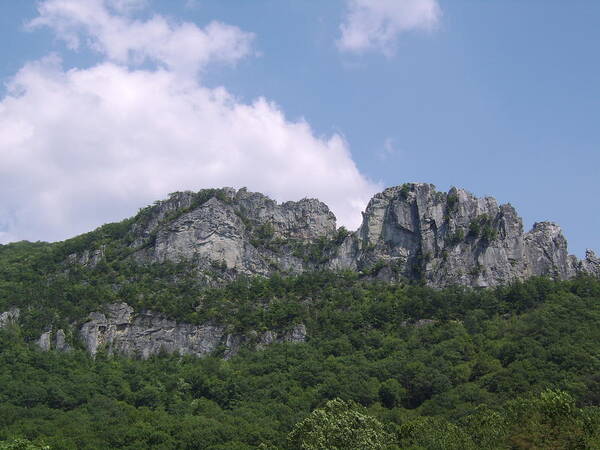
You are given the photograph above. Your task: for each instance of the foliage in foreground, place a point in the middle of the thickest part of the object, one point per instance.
(339, 425)
(548, 421)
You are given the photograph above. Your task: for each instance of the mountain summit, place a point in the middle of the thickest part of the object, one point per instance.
(409, 232)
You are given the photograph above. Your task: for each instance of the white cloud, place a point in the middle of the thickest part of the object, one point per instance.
(181, 47)
(389, 149)
(376, 24)
(84, 146)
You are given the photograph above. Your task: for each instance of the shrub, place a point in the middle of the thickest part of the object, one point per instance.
(457, 237)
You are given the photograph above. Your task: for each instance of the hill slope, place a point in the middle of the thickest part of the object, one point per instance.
(458, 356)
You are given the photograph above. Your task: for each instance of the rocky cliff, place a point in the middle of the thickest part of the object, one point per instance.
(590, 265)
(416, 232)
(408, 232)
(119, 330)
(9, 317)
(233, 232)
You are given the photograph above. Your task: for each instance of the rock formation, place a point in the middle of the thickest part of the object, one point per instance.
(237, 232)
(8, 317)
(415, 232)
(590, 265)
(408, 232)
(46, 343)
(120, 330)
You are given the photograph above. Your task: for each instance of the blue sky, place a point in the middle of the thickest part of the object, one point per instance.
(500, 98)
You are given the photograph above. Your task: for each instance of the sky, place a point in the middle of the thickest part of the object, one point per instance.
(109, 105)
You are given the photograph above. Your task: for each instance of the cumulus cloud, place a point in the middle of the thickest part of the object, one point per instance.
(376, 24)
(84, 146)
(181, 47)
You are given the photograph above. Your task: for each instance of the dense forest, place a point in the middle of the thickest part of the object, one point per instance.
(385, 365)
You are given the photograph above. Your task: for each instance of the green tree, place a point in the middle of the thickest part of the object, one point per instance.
(433, 433)
(391, 393)
(21, 444)
(339, 425)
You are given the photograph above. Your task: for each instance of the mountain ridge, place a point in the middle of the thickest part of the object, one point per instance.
(409, 232)
(221, 270)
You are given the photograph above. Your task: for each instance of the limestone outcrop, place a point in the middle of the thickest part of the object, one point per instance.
(408, 232)
(234, 232)
(50, 340)
(591, 264)
(9, 317)
(119, 330)
(415, 232)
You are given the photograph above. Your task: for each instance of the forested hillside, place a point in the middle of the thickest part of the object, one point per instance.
(410, 366)
(384, 361)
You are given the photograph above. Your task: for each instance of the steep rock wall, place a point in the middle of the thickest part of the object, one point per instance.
(415, 232)
(409, 232)
(239, 232)
(120, 330)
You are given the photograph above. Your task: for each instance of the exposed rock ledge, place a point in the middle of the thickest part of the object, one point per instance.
(445, 239)
(10, 316)
(59, 343)
(121, 331)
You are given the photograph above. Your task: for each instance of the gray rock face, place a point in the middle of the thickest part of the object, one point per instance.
(590, 265)
(59, 343)
(415, 232)
(295, 335)
(408, 232)
(44, 342)
(231, 232)
(547, 252)
(120, 330)
(9, 317)
(88, 258)
(305, 220)
(212, 232)
(158, 212)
